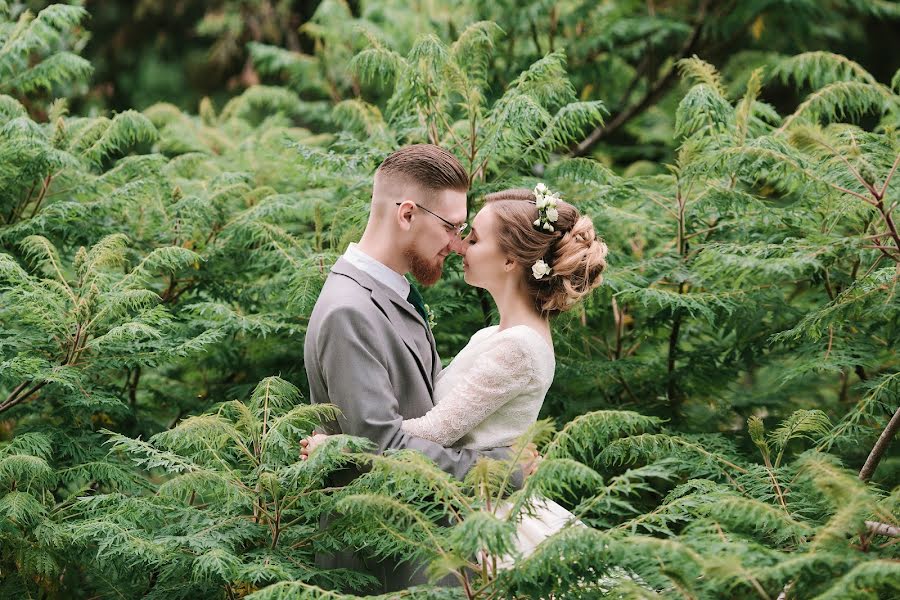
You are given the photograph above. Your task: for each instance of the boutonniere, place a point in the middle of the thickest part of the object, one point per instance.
(431, 320)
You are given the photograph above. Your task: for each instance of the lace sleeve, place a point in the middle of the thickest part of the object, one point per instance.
(499, 375)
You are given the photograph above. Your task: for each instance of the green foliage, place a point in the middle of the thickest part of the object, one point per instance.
(21, 40)
(240, 496)
(157, 267)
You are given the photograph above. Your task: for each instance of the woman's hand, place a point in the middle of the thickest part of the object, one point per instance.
(308, 444)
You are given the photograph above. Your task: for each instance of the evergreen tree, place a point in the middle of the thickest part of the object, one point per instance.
(723, 408)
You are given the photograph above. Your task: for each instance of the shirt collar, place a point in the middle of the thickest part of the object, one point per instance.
(376, 270)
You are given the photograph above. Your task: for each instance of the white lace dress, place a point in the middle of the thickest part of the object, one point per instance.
(490, 394)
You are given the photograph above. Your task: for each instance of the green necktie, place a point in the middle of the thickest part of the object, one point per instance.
(415, 298)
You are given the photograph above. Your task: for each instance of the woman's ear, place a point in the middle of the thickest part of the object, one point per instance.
(509, 265)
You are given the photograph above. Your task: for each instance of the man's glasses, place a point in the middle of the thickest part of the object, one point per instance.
(458, 229)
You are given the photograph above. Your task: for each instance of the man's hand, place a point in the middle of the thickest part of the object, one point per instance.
(530, 459)
(308, 444)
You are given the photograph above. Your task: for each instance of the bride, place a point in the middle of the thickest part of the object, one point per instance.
(537, 256)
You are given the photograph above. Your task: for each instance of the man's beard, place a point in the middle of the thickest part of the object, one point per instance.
(427, 272)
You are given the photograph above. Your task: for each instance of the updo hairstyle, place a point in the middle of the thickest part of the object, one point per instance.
(576, 256)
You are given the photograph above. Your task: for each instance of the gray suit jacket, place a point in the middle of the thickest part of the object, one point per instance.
(369, 352)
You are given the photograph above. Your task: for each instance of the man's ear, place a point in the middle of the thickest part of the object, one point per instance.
(405, 214)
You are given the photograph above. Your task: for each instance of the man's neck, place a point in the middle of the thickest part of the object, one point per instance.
(383, 253)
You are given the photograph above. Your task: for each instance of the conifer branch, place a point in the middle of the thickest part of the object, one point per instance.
(40, 199)
(659, 87)
(876, 528)
(13, 400)
(884, 440)
(887, 179)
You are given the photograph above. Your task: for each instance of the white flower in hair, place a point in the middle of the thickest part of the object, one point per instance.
(540, 268)
(546, 205)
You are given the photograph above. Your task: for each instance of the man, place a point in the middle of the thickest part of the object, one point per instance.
(368, 347)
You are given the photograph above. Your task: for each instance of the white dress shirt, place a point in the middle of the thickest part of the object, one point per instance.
(377, 270)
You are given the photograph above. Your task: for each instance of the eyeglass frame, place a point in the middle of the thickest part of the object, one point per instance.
(458, 228)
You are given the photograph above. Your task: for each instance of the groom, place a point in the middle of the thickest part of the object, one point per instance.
(368, 348)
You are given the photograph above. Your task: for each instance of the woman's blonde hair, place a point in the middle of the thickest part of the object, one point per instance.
(575, 255)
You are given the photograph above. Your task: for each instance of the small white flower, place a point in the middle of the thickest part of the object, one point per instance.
(537, 222)
(541, 202)
(548, 226)
(552, 215)
(539, 269)
(540, 189)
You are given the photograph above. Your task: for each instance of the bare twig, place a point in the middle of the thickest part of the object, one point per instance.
(880, 447)
(876, 528)
(656, 90)
(887, 179)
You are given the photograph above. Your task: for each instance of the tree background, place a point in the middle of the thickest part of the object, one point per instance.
(177, 177)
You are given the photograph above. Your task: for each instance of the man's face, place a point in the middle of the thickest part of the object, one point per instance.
(433, 238)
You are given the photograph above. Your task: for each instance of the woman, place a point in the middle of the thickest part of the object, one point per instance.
(537, 256)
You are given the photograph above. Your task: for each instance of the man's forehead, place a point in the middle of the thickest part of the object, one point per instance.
(454, 204)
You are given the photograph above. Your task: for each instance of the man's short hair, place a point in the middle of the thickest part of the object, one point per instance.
(426, 165)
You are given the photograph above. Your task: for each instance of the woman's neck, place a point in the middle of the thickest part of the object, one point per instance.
(516, 308)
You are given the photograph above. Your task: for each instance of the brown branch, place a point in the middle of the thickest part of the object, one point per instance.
(889, 221)
(619, 319)
(9, 403)
(830, 341)
(854, 172)
(16, 390)
(887, 179)
(828, 287)
(132, 388)
(784, 591)
(878, 247)
(18, 208)
(653, 94)
(37, 204)
(640, 73)
(177, 294)
(880, 447)
(876, 528)
(554, 25)
(534, 37)
(671, 388)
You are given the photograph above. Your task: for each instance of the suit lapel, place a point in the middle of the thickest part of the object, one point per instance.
(435, 359)
(392, 305)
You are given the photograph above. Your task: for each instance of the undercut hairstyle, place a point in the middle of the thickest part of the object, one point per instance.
(428, 166)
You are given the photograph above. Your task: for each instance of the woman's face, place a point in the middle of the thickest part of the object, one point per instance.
(484, 264)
